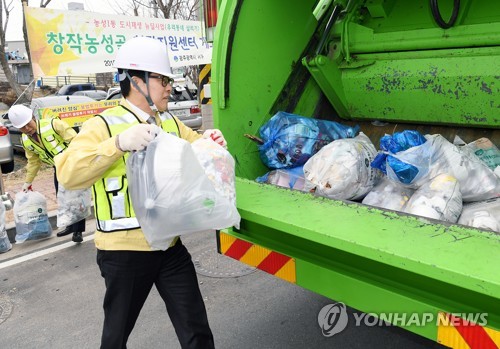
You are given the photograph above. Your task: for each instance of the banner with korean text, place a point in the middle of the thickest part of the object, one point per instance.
(81, 43)
(76, 114)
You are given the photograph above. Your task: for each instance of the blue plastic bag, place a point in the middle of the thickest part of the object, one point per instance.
(393, 144)
(290, 139)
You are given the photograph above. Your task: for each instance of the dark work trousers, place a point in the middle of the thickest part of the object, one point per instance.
(75, 227)
(129, 277)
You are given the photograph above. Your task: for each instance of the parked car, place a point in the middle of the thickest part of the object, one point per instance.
(38, 103)
(6, 149)
(112, 91)
(67, 90)
(185, 106)
(182, 104)
(98, 95)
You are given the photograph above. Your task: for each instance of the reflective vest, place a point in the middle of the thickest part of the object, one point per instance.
(112, 204)
(51, 143)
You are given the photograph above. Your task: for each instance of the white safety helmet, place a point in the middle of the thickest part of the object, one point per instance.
(144, 54)
(20, 115)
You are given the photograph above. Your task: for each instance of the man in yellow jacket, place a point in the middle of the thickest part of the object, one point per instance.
(97, 157)
(42, 140)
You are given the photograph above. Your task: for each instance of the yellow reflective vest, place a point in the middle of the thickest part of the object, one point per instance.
(52, 143)
(112, 204)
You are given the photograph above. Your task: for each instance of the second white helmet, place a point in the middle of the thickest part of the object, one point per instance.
(144, 54)
(20, 115)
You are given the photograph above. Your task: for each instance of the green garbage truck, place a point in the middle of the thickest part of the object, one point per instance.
(387, 66)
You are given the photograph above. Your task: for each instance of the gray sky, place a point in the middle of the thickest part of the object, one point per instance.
(15, 28)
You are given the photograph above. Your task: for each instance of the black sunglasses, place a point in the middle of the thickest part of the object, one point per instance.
(165, 80)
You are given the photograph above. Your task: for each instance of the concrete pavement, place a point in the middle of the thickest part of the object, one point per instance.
(54, 301)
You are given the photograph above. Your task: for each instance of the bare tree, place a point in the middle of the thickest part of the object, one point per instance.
(186, 10)
(172, 9)
(179, 9)
(6, 8)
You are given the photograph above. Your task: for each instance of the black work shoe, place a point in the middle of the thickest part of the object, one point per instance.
(77, 236)
(64, 232)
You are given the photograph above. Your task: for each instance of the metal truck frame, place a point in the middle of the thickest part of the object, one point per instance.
(357, 62)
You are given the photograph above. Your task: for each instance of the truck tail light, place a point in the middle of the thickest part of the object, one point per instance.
(210, 16)
(4, 131)
(195, 110)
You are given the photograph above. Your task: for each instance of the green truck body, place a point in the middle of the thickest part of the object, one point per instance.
(357, 62)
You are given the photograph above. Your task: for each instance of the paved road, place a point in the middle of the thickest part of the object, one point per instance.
(19, 160)
(54, 301)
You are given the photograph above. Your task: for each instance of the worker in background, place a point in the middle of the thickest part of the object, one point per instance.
(97, 156)
(42, 140)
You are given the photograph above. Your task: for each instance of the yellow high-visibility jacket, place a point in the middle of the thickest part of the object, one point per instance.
(92, 159)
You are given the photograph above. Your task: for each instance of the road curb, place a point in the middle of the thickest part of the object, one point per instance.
(11, 227)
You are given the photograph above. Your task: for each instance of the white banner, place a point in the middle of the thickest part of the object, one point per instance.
(80, 42)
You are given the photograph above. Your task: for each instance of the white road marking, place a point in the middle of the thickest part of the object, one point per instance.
(42, 252)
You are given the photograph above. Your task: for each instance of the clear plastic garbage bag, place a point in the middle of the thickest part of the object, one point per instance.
(483, 215)
(290, 139)
(73, 205)
(438, 199)
(485, 150)
(31, 216)
(341, 170)
(171, 194)
(389, 195)
(438, 156)
(5, 244)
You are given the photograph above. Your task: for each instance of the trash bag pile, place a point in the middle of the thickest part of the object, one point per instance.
(31, 216)
(418, 164)
(424, 175)
(172, 194)
(447, 178)
(290, 139)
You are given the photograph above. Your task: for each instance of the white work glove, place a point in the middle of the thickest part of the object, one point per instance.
(27, 186)
(216, 136)
(137, 137)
